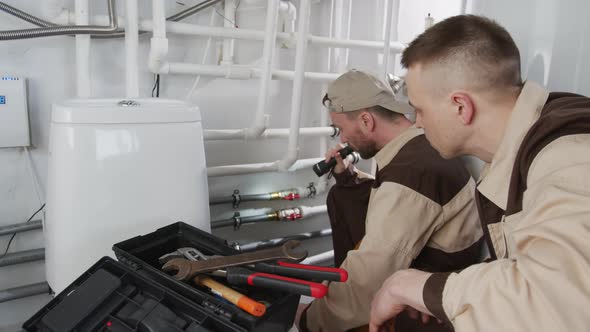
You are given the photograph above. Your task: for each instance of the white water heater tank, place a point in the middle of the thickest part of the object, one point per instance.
(118, 169)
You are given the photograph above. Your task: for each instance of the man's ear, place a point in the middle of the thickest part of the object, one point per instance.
(464, 107)
(366, 122)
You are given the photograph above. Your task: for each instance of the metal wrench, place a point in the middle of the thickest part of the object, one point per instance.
(187, 269)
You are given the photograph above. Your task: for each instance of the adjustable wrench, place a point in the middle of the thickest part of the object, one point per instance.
(187, 269)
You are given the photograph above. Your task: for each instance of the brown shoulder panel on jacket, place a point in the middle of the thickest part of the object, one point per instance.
(420, 167)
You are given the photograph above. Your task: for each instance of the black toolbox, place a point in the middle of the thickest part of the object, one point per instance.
(138, 270)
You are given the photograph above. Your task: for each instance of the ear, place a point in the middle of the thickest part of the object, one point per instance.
(366, 122)
(464, 107)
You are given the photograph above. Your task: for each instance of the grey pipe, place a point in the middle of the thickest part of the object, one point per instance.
(25, 16)
(175, 18)
(112, 34)
(257, 245)
(22, 257)
(22, 227)
(192, 10)
(63, 30)
(237, 221)
(24, 291)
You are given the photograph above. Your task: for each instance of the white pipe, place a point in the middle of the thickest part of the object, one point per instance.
(131, 49)
(288, 14)
(387, 38)
(205, 55)
(259, 168)
(270, 39)
(348, 25)
(243, 72)
(82, 52)
(310, 211)
(328, 255)
(257, 35)
(338, 15)
(230, 23)
(34, 178)
(53, 8)
(241, 169)
(304, 163)
(300, 52)
(227, 134)
(159, 43)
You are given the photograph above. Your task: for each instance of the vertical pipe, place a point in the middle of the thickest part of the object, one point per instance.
(338, 52)
(159, 18)
(323, 181)
(300, 52)
(270, 39)
(229, 22)
(387, 38)
(348, 24)
(131, 46)
(83, 89)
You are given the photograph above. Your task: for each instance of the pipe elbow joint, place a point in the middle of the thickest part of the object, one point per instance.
(157, 57)
(289, 160)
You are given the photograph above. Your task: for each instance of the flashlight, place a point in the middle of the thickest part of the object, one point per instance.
(324, 167)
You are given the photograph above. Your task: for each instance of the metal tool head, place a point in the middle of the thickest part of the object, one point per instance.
(181, 266)
(186, 269)
(192, 254)
(169, 256)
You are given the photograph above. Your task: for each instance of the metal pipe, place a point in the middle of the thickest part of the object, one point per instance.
(22, 227)
(237, 220)
(287, 214)
(64, 30)
(257, 245)
(24, 291)
(25, 16)
(23, 257)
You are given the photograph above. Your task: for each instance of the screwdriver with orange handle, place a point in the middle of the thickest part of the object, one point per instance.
(242, 301)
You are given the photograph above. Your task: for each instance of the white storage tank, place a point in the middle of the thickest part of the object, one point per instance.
(118, 169)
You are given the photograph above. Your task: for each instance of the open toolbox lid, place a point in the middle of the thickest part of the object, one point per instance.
(112, 297)
(142, 253)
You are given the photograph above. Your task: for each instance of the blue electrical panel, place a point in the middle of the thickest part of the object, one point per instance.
(2, 100)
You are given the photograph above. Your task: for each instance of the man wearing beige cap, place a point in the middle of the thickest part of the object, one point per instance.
(416, 212)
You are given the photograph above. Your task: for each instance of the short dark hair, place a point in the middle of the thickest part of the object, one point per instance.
(379, 111)
(479, 44)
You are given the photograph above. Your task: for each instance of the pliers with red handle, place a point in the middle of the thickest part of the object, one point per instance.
(286, 277)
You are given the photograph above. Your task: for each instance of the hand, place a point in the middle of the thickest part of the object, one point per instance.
(384, 309)
(415, 314)
(400, 291)
(341, 164)
(300, 309)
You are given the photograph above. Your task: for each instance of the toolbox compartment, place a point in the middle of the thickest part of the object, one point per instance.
(142, 253)
(93, 301)
(112, 297)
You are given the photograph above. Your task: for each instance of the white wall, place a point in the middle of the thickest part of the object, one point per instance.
(553, 38)
(49, 66)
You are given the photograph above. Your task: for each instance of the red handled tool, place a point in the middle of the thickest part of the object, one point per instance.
(242, 276)
(303, 271)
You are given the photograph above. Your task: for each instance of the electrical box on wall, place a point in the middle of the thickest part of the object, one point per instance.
(14, 114)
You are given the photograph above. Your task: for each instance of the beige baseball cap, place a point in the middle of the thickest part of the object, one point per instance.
(356, 89)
